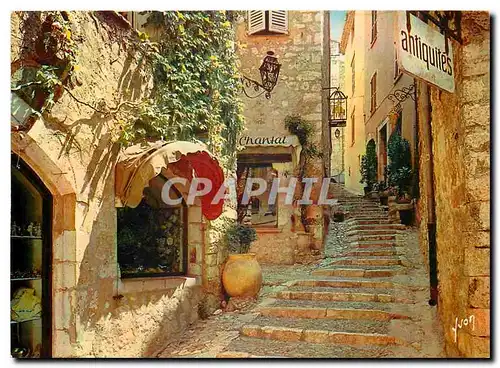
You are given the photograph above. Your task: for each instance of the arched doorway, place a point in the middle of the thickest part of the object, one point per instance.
(31, 262)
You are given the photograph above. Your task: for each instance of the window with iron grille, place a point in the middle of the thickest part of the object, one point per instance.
(374, 26)
(373, 93)
(267, 22)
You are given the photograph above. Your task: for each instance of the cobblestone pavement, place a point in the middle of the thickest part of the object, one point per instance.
(366, 298)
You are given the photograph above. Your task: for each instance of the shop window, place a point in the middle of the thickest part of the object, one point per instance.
(259, 211)
(152, 237)
(267, 22)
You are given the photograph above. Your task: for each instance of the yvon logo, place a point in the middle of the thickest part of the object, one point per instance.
(463, 322)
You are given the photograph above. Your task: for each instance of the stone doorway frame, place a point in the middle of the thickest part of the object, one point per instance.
(63, 233)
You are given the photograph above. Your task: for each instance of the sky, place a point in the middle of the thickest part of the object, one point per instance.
(337, 18)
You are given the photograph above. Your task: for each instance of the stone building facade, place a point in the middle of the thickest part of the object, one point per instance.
(375, 63)
(352, 45)
(302, 48)
(337, 169)
(454, 147)
(95, 312)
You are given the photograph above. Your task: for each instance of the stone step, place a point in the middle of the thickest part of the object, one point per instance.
(393, 307)
(371, 252)
(361, 208)
(330, 313)
(375, 261)
(333, 266)
(302, 349)
(345, 283)
(242, 355)
(354, 232)
(363, 217)
(339, 297)
(371, 237)
(319, 336)
(379, 221)
(364, 244)
(366, 212)
(383, 226)
(356, 272)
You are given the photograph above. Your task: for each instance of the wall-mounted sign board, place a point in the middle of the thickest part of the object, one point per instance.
(422, 52)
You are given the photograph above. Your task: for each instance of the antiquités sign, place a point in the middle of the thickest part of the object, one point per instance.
(421, 53)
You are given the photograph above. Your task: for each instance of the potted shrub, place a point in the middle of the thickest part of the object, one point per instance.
(368, 167)
(242, 275)
(399, 168)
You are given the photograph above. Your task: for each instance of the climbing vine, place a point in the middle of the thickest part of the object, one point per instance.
(47, 60)
(196, 82)
(193, 67)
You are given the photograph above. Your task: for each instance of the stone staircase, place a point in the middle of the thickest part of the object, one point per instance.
(369, 301)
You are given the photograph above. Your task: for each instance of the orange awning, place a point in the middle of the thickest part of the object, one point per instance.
(140, 163)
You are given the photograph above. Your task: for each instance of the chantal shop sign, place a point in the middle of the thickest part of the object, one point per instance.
(422, 52)
(282, 140)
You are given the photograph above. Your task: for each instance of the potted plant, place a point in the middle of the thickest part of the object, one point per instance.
(368, 167)
(242, 275)
(399, 168)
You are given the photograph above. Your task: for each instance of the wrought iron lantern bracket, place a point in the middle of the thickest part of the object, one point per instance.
(401, 95)
(269, 72)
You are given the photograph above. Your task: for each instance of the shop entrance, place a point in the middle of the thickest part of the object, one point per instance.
(30, 263)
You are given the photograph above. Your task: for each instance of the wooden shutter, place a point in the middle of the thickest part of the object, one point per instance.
(256, 21)
(278, 21)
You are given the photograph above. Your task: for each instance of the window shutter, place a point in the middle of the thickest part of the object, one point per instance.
(256, 21)
(278, 21)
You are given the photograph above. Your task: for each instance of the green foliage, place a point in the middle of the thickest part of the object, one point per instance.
(50, 53)
(369, 165)
(239, 237)
(399, 168)
(196, 82)
(304, 131)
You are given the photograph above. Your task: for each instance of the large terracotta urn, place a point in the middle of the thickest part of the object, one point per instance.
(242, 275)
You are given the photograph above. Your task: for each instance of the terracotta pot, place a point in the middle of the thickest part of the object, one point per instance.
(242, 275)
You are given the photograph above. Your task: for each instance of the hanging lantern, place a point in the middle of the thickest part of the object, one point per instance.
(269, 72)
(337, 114)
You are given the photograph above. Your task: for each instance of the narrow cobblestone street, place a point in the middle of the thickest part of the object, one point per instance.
(367, 298)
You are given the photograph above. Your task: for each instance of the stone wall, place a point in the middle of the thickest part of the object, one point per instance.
(461, 157)
(72, 150)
